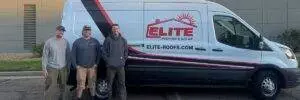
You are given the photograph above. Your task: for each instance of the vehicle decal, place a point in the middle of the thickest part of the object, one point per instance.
(192, 63)
(99, 15)
(180, 28)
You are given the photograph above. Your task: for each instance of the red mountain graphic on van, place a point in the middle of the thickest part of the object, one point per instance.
(171, 28)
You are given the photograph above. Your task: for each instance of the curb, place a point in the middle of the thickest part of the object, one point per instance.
(21, 73)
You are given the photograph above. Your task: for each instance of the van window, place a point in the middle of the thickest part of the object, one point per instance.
(231, 32)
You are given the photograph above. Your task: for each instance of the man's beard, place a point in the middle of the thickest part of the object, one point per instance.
(116, 34)
(86, 35)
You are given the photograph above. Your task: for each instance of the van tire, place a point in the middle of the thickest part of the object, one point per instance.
(265, 85)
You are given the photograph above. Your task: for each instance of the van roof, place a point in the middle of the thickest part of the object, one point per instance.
(178, 1)
(199, 1)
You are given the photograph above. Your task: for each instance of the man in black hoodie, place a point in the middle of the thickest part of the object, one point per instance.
(115, 53)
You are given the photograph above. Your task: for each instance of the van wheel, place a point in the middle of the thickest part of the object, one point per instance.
(265, 85)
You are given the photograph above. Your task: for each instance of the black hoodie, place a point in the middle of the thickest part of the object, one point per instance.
(115, 51)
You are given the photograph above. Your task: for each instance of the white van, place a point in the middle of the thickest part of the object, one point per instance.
(187, 43)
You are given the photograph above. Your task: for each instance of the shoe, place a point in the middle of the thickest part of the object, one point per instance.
(78, 99)
(94, 98)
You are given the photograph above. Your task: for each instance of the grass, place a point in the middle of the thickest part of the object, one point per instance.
(29, 64)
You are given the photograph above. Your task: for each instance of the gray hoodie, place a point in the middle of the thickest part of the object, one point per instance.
(115, 51)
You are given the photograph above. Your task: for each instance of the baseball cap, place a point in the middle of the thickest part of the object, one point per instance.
(61, 28)
(86, 27)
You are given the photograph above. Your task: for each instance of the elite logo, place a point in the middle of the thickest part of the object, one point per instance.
(181, 26)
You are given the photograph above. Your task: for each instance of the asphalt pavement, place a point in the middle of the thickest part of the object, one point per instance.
(31, 88)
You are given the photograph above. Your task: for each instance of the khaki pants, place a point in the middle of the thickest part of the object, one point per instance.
(82, 74)
(57, 78)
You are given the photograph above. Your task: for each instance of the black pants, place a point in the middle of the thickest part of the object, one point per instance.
(119, 73)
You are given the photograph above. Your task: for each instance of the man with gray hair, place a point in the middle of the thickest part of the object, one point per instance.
(55, 65)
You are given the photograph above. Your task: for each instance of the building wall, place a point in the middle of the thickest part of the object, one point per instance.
(10, 31)
(48, 16)
(270, 17)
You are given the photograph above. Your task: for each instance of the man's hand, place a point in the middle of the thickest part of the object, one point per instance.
(95, 66)
(45, 74)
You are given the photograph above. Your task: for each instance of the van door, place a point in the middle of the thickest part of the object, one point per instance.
(233, 46)
(174, 38)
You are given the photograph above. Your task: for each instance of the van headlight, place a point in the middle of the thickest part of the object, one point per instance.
(288, 52)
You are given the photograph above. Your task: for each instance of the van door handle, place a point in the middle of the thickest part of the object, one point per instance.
(200, 49)
(217, 50)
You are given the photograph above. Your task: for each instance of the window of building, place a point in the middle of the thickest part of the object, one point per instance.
(29, 26)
